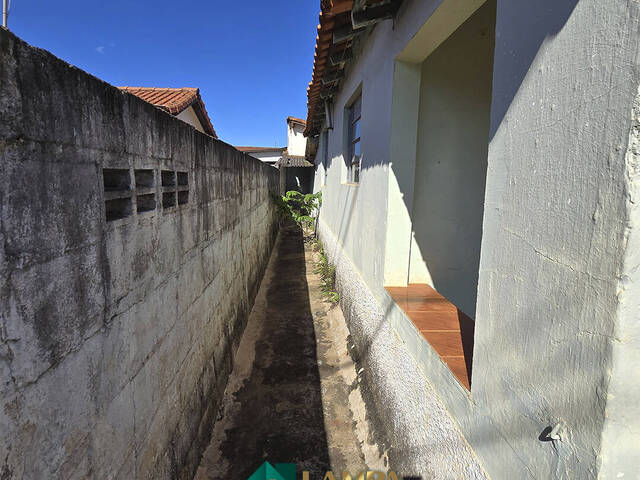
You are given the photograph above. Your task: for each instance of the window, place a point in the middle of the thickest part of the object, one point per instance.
(353, 138)
(146, 202)
(144, 178)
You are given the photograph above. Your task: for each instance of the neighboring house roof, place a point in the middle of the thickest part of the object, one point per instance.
(175, 101)
(299, 121)
(341, 21)
(288, 160)
(293, 162)
(260, 149)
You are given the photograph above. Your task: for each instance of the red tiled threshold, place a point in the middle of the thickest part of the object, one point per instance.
(448, 330)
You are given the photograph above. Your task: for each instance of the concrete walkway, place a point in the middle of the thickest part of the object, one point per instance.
(293, 396)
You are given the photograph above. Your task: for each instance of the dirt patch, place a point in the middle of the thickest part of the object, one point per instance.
(293, 396)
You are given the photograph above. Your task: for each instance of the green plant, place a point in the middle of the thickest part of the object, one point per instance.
(327, 274)
(301, 208)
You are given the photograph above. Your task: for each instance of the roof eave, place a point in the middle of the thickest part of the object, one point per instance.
(340, 21)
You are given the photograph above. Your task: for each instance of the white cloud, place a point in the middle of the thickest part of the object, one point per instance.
(100, 49)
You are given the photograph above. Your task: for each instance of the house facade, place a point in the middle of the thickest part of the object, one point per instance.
(296, 172)
(296, 141)
(479, 168)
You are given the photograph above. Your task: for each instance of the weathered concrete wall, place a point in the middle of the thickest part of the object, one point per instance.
(116, 337)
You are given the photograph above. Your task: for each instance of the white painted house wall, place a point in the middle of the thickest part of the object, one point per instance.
(321, 162)
(270, 156)
(189, 116)
(556, 312)
(296, 141)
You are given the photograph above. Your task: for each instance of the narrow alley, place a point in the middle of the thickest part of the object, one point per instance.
(467, 307)
(293, 396)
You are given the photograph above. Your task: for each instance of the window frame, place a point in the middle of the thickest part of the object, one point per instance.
(354, 127)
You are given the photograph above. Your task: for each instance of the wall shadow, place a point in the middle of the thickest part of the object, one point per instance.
(467, 327)
(534, 23)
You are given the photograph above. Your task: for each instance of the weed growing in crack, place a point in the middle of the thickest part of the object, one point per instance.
(327, 273)
(303, 210)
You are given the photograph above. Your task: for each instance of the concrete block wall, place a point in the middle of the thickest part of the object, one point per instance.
(116, 337)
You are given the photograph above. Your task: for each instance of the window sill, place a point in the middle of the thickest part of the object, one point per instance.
(448, 330)
(350, 184)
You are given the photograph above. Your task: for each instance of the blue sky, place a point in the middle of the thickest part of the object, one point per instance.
(252, 60)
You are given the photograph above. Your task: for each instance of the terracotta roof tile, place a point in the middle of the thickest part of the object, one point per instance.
(175, 101)
(333, 13)
(296, 120)
(333, 40)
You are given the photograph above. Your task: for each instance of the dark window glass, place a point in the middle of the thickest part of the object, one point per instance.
(354, 156)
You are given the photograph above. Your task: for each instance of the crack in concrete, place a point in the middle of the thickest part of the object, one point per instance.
(550, 258)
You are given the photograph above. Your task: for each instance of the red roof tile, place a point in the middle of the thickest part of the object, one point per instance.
(175, 101)
(335, 20)
(296, 120)
(333, 13)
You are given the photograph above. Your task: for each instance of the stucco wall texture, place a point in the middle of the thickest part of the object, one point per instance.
(116, 338)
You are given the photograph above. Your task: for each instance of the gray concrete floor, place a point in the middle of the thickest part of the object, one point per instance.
(293, 396)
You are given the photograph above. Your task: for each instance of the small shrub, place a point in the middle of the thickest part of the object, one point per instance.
(327, 274)
(300, 208)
